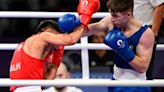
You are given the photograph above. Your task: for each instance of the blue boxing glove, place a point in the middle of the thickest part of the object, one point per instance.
(68, 22)
(118, 42)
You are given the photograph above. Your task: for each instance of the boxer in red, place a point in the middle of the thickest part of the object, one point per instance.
(47, 45)
(30, 56)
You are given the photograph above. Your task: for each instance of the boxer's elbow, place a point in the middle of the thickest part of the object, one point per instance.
(143, 68)
(139, 67)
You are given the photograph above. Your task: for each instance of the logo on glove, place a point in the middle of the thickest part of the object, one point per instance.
(121, 44)
(85, 2)
(131, 47)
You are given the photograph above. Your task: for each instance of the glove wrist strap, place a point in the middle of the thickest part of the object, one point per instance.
(84, 26)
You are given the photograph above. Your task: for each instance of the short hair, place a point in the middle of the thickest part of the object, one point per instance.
(48, 23)
(67, 65)
(120, 5)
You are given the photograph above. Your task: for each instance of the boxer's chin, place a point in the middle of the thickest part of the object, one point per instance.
(116, 25)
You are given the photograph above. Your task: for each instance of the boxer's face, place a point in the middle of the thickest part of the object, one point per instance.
(120, 18)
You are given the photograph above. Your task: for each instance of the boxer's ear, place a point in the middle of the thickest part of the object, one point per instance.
(129, 14)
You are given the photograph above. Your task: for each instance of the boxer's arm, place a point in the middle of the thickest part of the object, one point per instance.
(143, 52)
(119, 43)
(94, 28)
(50, 72)
(104, 24)
(62, 39)
(54, 62)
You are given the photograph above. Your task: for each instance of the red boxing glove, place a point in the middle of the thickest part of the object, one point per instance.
(56, 56)
(86, 8)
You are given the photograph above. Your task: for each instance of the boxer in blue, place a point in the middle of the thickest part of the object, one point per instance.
(131, 40)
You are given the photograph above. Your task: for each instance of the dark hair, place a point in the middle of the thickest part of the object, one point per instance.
(48, 23)
(120, 5)
(67, 65)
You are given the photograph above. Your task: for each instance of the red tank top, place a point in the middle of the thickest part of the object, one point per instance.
(26, 67)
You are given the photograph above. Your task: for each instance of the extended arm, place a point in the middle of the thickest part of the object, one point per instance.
(63, 39)
(70, 22)
(103, 25)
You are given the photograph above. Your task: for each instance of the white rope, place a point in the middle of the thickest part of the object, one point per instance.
(82, 82)
(36, 14)
(78, 46)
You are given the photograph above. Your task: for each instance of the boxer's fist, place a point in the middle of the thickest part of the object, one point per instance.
(86, 8)
(68, 22)
(56, 56)
(118, 42)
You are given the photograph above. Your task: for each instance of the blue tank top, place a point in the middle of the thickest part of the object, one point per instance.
(133, 42)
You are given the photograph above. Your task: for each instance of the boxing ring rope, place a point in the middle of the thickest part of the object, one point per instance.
(78, 46)
(82, 82)
(84, 46)
(15, 14)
